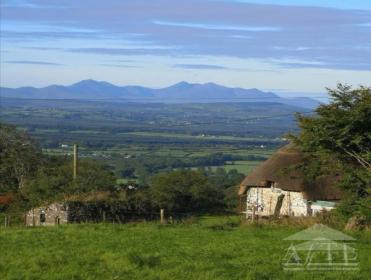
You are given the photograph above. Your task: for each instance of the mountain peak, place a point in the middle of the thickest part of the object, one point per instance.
(87, 81)
(91, 82)
(182, 84)
(211, 84)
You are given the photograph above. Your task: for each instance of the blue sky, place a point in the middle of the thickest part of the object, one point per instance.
(289, 46)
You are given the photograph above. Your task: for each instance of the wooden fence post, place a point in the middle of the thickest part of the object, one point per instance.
(162, 216)
(75, 160)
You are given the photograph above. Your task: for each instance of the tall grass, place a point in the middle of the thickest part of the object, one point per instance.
(199, 248)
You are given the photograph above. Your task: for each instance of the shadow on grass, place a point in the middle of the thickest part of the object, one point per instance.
(144, 260)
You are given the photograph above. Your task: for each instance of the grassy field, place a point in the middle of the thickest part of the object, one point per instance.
(242, 166)
(205, 248)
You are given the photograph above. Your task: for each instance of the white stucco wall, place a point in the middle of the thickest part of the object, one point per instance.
(265, 199)
(318, 209)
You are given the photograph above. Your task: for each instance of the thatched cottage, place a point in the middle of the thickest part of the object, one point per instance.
(277, 187)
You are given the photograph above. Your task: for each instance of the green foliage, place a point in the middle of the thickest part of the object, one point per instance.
(223, 179)
(51, 181)
(338, 139)
(125, 204)
(92, 176)
(20, 158)
(28, 178)
(184, 191)
(341, 127)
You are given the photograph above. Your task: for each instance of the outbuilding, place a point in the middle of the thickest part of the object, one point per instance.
(52, 214)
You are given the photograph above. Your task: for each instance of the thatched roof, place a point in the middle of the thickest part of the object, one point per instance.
(274, 170)
(325, 188)
(281, 168)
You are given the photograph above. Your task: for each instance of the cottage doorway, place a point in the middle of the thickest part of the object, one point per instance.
(42, 217)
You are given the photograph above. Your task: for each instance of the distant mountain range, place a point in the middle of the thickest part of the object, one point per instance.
(182, 92)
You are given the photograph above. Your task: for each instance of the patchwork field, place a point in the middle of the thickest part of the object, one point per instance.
(127, 136)
(204, 248)
(242, 166)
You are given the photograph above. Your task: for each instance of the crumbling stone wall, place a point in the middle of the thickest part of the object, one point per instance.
(52, 214)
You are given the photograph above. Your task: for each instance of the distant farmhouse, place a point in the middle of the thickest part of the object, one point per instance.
(278, 188)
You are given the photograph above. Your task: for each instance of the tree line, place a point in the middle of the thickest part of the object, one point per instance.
(143, 167)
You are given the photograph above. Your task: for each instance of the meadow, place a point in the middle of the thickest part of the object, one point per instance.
(195, 248)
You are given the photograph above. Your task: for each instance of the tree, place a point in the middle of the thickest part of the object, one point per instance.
(50, 182)
(222, 179)
(92, 176)
(184, 191)
(20, 158)
(338, 140)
